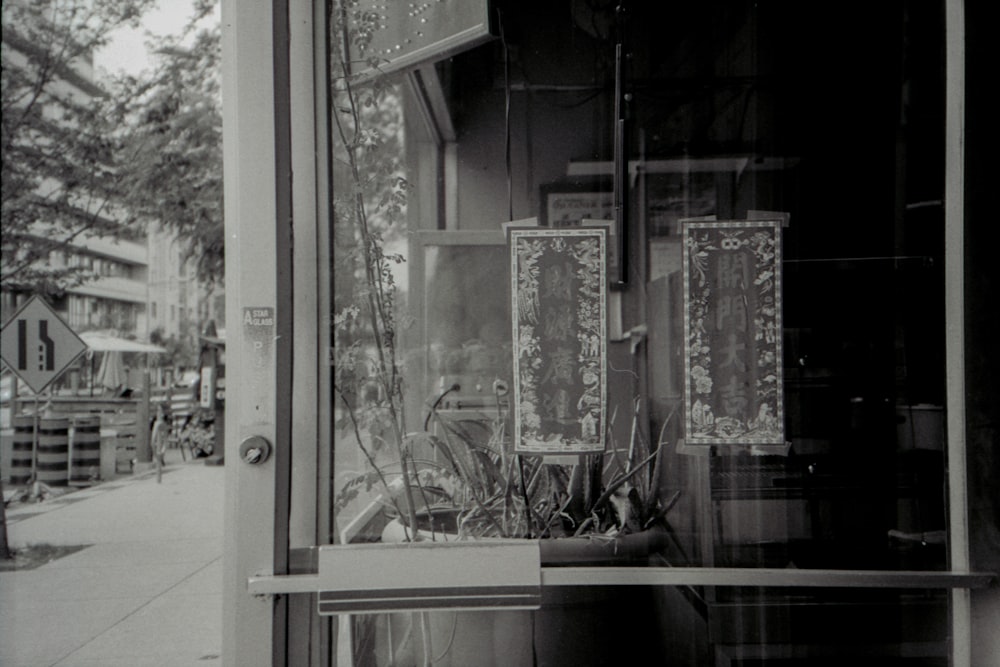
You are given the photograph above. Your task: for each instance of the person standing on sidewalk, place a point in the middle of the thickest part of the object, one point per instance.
(158, 439)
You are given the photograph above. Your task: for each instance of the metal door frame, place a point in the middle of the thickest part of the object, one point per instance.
(274, 127)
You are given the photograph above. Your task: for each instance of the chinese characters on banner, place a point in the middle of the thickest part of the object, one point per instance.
(733, 388)
(559, 321)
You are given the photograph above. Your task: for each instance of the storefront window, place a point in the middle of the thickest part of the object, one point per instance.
(766, 186)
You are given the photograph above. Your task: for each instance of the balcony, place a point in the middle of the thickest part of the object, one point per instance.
(123, 289)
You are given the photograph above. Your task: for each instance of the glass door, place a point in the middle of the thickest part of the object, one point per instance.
(580, 333)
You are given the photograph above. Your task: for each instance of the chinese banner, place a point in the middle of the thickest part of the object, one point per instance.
(559, 319)
(733, 388)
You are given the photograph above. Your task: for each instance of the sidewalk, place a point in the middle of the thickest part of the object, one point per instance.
(147, 590)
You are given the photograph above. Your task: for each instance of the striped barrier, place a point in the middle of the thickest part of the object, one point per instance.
(85, 459)
(52, 462)
(21, 449)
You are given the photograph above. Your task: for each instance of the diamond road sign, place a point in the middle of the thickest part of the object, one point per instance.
(37, 345)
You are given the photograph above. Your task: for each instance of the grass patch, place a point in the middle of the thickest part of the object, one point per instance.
(36, 555)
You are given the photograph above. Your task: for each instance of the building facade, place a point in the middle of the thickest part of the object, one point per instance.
(178, 305)
(134, 282)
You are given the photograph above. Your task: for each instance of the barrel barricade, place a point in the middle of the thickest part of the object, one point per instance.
(22, 450)
(44, 455)
(85, 457)
(52, 455)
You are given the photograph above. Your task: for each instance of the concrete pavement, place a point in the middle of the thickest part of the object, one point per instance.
(147, 590)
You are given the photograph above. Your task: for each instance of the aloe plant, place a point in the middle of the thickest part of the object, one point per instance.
(501, 494)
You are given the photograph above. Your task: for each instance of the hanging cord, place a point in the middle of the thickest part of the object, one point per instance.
(510, 215)
(506, 116)
(620, 187)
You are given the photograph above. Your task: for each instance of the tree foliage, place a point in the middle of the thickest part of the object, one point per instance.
(182, 351)
(82, 160)
(172, 151)
(59, 178)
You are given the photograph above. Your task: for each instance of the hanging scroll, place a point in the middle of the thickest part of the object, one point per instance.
(559, 322)
(733, 389)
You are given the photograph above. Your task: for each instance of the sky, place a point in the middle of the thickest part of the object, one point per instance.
(127, 50)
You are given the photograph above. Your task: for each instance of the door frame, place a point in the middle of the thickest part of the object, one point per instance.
(272, 50)
(257, 192)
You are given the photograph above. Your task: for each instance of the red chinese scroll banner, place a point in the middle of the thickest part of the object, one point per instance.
(733, 387)
(559, 321)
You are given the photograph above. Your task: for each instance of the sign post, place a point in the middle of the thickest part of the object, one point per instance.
(38, 347)
(212, 388)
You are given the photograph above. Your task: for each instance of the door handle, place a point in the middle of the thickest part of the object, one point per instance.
(255, 450)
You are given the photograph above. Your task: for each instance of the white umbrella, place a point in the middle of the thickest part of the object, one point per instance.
(102, 342)
(111, 374)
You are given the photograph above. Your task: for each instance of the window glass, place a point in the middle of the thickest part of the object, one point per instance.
(738, 112)
(743, 124)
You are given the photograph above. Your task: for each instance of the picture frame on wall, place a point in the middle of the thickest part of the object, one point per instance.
(566, 204)
(672, 197)
(584, 203)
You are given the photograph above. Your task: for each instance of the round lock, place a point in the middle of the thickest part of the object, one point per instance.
(255, 450)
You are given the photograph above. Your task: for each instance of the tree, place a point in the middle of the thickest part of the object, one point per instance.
(369, 207)
(172, 149)
(59, 179)
(181, 351)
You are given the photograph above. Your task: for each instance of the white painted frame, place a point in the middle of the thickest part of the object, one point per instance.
(251, 209)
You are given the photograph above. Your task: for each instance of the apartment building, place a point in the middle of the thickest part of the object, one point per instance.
(136, 287)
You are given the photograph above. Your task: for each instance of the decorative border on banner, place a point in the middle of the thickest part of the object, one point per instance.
(751, 415)
(557, 393)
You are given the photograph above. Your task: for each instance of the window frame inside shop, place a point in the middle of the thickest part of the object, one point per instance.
(438, 153)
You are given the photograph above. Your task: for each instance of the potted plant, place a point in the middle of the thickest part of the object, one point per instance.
(479, 490)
